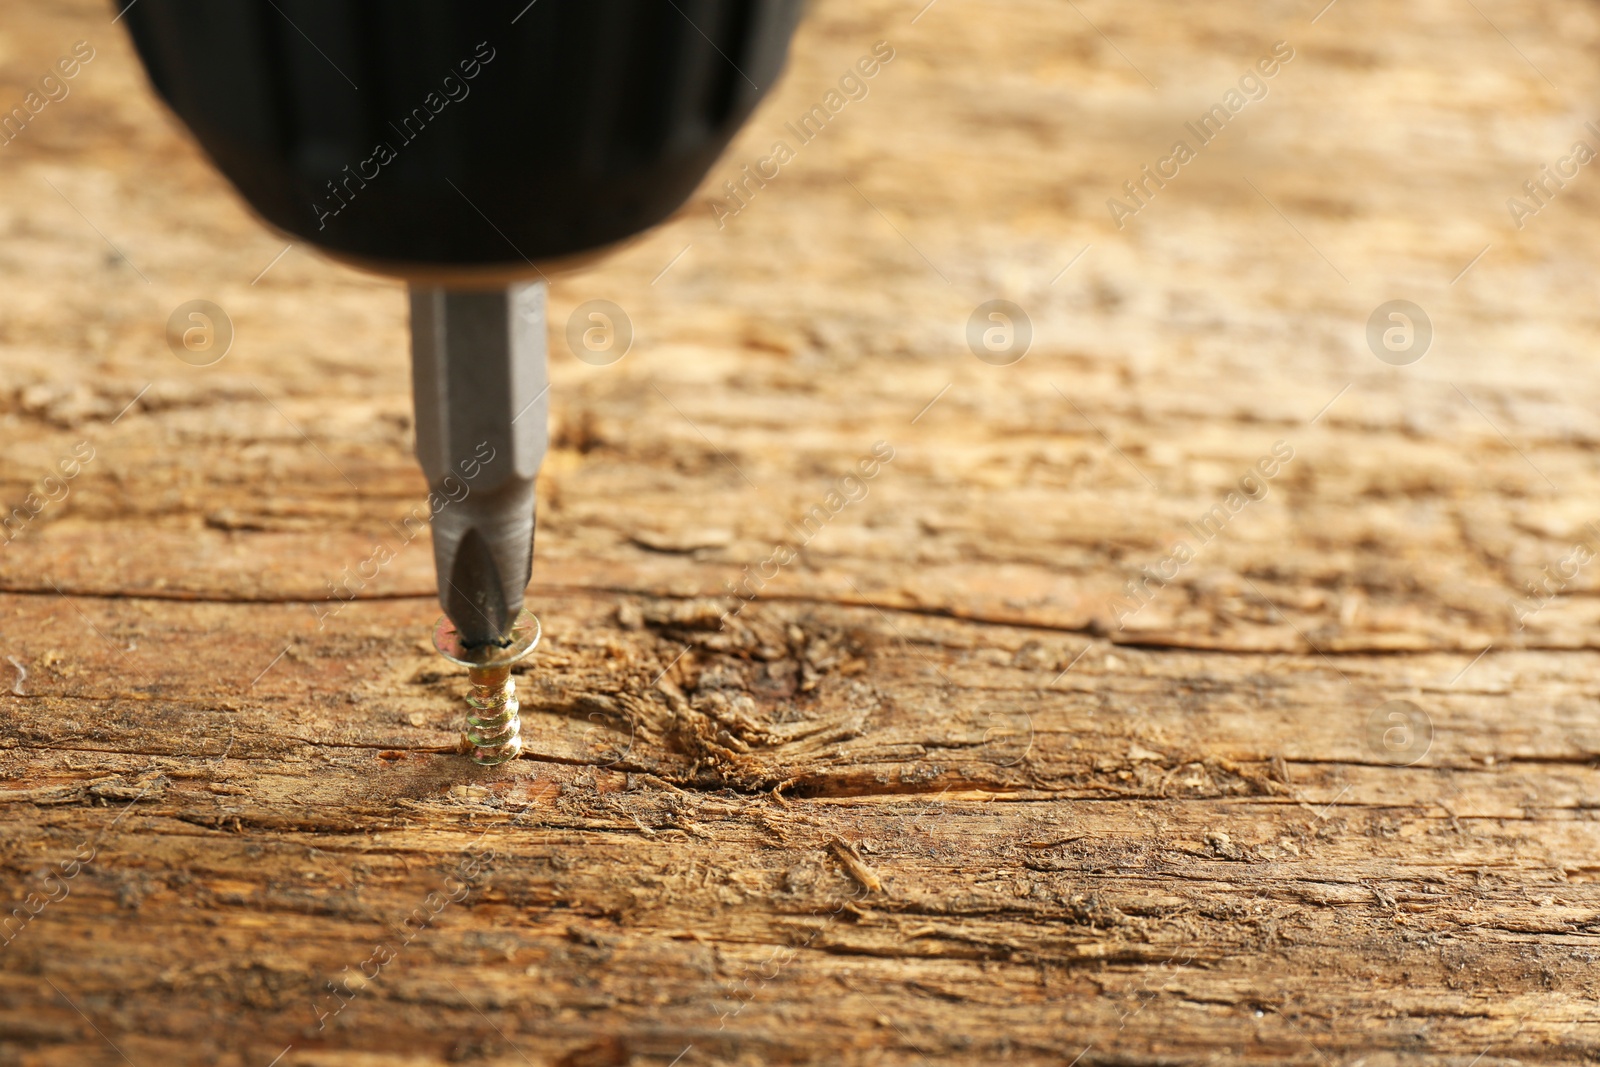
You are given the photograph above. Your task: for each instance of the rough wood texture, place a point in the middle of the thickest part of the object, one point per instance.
(933, 796)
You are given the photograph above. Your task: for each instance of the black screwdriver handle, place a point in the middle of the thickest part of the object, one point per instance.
(474, 132)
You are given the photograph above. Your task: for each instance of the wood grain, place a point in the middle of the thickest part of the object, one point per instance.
(934, 794)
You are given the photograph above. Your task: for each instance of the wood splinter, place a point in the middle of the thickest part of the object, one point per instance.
(855, 866)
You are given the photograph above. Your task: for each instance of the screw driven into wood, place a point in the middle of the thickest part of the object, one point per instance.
(493, 733)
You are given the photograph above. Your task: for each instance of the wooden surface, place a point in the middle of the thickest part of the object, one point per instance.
(932, 797)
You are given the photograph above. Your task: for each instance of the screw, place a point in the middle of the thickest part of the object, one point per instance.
(493, 733)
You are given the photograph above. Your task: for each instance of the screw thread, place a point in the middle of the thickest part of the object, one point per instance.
(493, 733)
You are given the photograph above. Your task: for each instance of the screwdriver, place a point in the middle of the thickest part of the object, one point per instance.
(470, 150)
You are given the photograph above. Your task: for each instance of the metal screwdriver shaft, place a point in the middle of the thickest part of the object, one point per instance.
(482, 400)
(481, 389)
